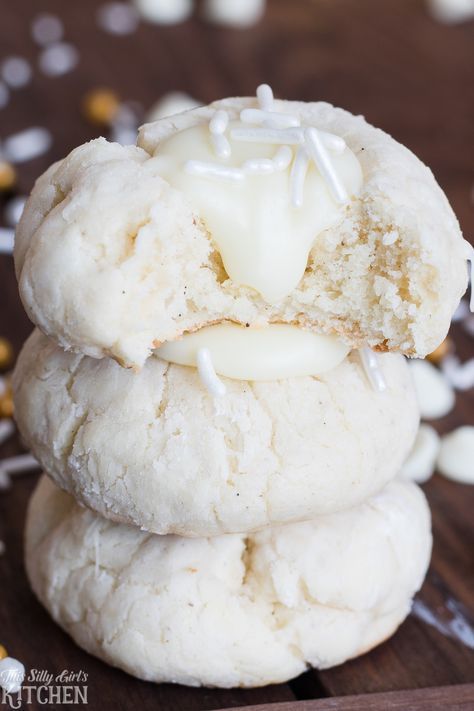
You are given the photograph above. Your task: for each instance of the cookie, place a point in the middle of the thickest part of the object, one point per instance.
(231, 610)
(154, 449)
(319, 220)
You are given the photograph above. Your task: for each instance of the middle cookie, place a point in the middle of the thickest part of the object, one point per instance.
(154, 449)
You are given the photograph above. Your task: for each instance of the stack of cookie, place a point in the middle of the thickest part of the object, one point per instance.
(218, 391)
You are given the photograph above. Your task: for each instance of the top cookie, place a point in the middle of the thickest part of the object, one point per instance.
(123, 248)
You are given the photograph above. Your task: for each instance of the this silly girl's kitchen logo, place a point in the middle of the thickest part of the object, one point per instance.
(42, 687)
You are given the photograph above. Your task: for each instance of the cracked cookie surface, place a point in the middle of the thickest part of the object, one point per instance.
(154, 449)
(231, 610)
(112, 260)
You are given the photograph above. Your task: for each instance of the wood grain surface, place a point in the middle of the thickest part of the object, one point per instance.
(454, 698)
(406, 73)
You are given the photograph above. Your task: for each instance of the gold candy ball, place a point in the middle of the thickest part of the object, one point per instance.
(6, 406)
(6, 353)
(100, 106)
(441, 352)
(7, 176)
(3, 652)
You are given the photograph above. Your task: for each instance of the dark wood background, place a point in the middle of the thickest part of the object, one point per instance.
(406, 73)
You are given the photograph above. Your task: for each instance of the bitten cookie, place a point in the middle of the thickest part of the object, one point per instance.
(154, 449)
(232, 610)
(120, 249)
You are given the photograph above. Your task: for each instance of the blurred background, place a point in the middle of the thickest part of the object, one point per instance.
(73, 70)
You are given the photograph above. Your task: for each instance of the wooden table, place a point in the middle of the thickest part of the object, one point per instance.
(413, 77)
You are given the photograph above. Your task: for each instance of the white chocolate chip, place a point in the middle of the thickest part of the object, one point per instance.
(118, 18)
(421, 461)
(170, 104)
(460, 375)
(16, 72)
(46, 29)
(27, 144)
(58, 59)
(240, 13)
(165, 12)
(451, 12)
(456, 457)
(434, 393)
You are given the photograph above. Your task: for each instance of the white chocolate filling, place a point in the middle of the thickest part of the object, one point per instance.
(275, 352)
(242, 190)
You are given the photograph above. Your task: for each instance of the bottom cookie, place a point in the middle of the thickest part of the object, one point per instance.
(232, 610)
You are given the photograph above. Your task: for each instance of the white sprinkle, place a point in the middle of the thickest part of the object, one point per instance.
(372, 369)
(264, 166)
(457, 628)
(46, 29)
(320, 156)
(219, 122)
(298, 176)
(286, 136)
(460, 375)
(283, 158)
(7, 240)
(207, 373)
(165, 12)
(213, 170)
(259, 166)
(7, 428)
(18, 465)
(58, 59)
(28, 144)
(12, 675)
(4, 95)
(221, 145)
(277, 120)
(470, 259)
(217, 127)
(265, 97)
(14, 210)
(118, 18)
(16, 72)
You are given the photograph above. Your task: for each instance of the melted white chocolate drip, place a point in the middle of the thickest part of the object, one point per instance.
(246, 197)
(275, 352)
